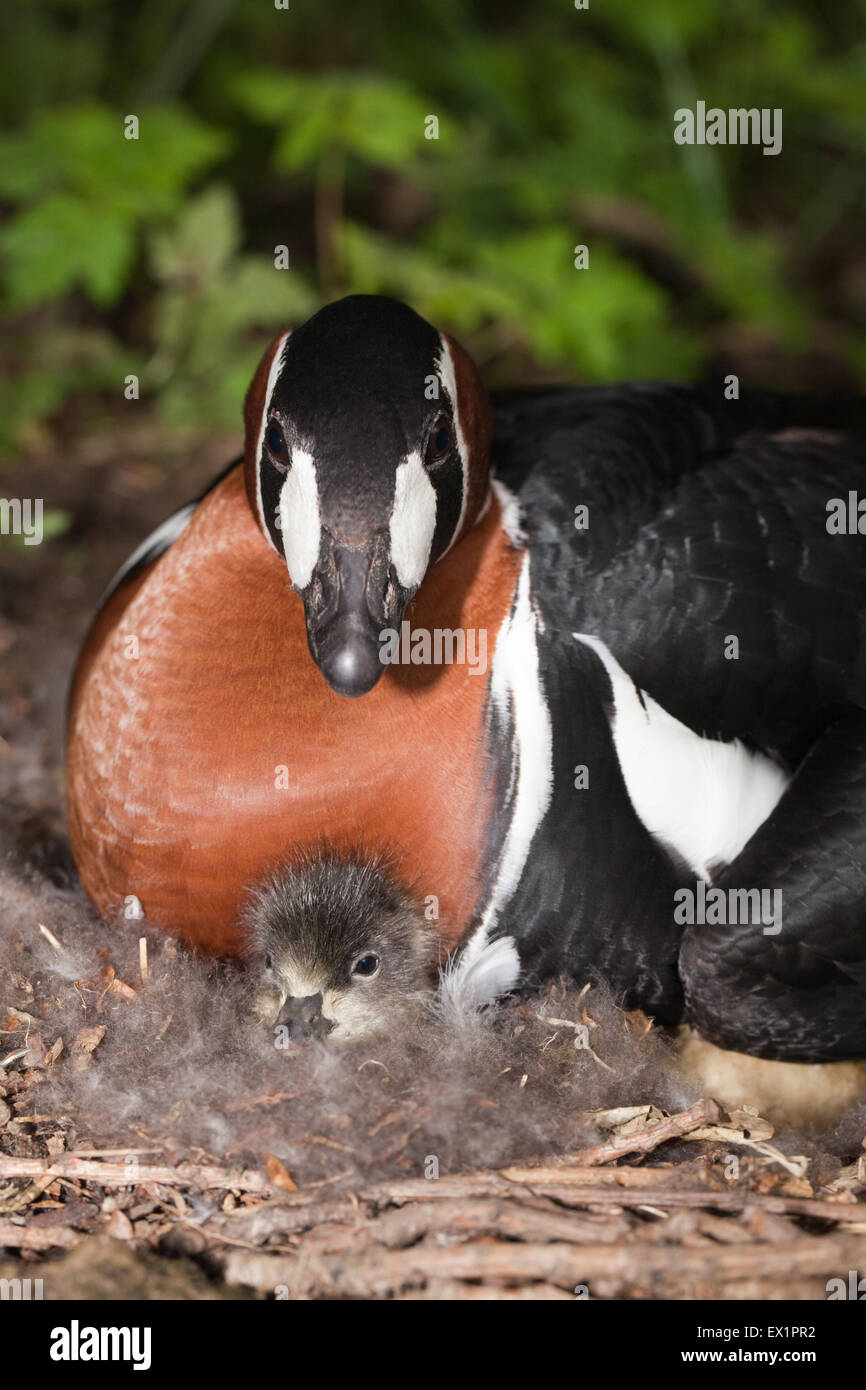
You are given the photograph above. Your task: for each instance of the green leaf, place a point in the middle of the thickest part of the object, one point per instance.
(378, 120)
(83, 148)
(202, 240)
(377, 265)
(59, 243)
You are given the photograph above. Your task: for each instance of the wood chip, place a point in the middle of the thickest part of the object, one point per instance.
(278, 1174)
(36, 1237)
(626, 1119)
(86, 1042)
(119, 1226)
(124, 990)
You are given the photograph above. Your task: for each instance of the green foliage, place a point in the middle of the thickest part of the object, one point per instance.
(310, 128)
(379, 122)
(598, 322)
(84, 192)
(210, 297)
(55, 367)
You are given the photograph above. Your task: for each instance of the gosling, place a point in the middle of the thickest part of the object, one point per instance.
(341, 948)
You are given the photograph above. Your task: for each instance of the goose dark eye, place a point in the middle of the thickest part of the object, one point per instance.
(366, 966)
(439, 443)
(276, 442)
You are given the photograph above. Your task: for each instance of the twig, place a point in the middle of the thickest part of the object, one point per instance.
(736, 1200)
(623, 1187)
(50, 937)
(644, 1141)
(13, 1057)
(275, 1099)
(451, 1291)
(199, 1175)
(24, 1196)
(579, 1185)
(108, 1153)
(625, 1265)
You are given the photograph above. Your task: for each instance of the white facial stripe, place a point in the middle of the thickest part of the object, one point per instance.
(299, 518)
(273, 376)
(413, 521)
(703, 797)
(447, 375)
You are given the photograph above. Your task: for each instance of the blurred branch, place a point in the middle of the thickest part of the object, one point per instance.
(330, 175)
(199, 27)
(700, 163)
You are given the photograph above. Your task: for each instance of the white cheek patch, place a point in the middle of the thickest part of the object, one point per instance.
(702, 797)
(413, 521)
(448, 377)
(273, 377)
(300, 522)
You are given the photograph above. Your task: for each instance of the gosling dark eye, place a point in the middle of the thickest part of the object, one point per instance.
(440, 441)
(366, 967)
(276, 441)
(269, 963)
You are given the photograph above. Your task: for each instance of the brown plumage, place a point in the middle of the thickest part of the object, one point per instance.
(203, 744)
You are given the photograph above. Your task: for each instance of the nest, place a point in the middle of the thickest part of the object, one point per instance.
(355, 1175)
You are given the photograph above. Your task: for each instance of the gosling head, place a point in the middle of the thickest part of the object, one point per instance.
(341, 949)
